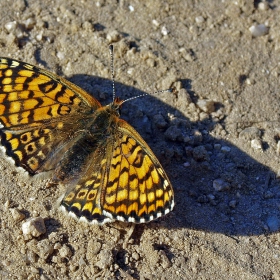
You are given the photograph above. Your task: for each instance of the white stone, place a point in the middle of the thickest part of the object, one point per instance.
(29, 23)
(155, 22)
(164, 31)
(199, 19)
(263, 6)
(34, 227)
(10, 26)
(60, 55)
(256, 144)
(206, 105)
(258, 30)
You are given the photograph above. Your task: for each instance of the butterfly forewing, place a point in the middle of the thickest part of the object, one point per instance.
(39, 112)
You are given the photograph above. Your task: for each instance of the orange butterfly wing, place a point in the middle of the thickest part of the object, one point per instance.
(39, 114)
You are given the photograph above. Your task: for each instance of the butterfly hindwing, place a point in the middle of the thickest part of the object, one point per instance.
(137, 189)
(83, 198)
(41, 148)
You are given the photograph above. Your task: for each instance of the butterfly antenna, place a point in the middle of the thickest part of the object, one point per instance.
(111, 47)
(144, 94)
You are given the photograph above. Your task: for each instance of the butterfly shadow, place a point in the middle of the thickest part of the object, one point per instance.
(217, 186)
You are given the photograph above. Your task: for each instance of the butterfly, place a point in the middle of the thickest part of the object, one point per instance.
(50, 124)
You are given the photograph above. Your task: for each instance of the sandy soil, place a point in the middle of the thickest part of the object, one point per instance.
(217, 137)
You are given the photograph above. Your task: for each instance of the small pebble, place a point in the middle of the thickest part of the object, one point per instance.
(39, 36)
(44, 248)
(7, 204)
(165, 262)
(211, 196)
(135, 256)
(278, 148)
(217, 146)
(202, 199)
(113, 36)
(200, 154)
(65, 252)
(220, 185)
(232, 203)
(173, 133)
(250, 133)
(225, 149)
(256, 144)
(82, 261)
(258, 30)
(60, 55)
(73, 268)
(197, 137)
(164, 31)
(155, 22)
(34, 227)
(183, 97)
(29, 23)
(88, 26)
(34, 270)
(159, 121)
(278, 174)
(199, 19)
(263, 6)
(93, 249)
(151, 62)
(168, 82)
(105, 259)
(206, 105)
(11, 38)
(10, 26)
(56, 259)
(268, 194)
(57, 246)
(31, 256)
(203, 116)
(17, 215)
(249, 81)
(273, 223)
(187, 54)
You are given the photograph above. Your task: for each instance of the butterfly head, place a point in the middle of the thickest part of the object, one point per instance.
(116, 105)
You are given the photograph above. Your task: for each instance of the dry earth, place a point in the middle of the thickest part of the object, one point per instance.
(217, 137)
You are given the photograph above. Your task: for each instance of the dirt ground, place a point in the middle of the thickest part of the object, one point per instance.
(217, 136)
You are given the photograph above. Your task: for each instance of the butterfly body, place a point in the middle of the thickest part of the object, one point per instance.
(110, 172)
